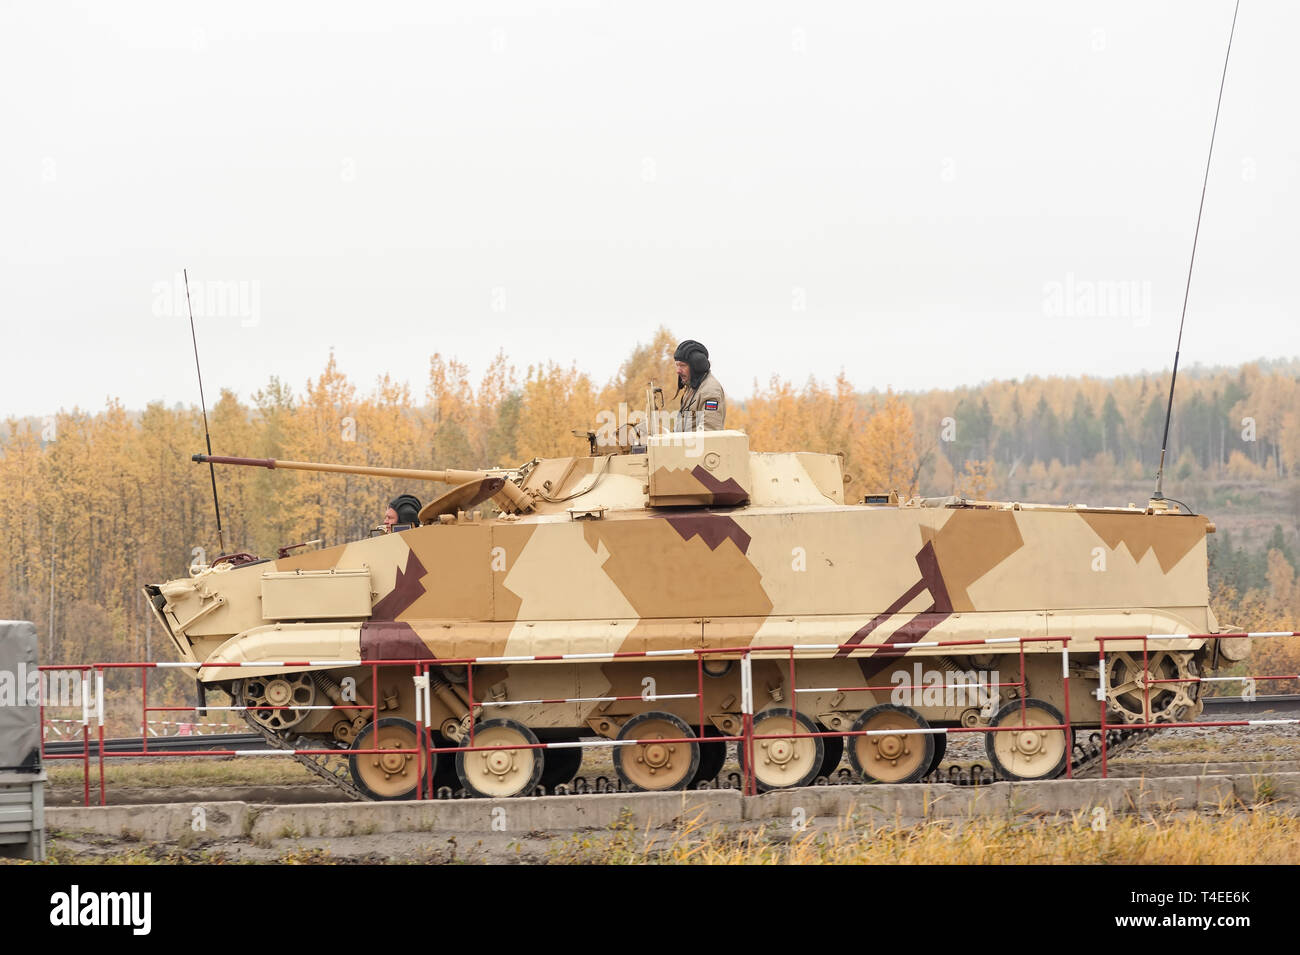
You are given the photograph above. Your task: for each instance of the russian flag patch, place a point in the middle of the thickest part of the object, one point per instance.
(711, 404)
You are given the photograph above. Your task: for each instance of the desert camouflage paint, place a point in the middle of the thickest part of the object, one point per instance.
(700, 543)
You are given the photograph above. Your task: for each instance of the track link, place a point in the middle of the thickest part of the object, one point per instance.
(1087, 759)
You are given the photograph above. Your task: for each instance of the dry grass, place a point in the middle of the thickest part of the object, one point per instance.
(1261, 837)
(1264, 746)
(199, 771)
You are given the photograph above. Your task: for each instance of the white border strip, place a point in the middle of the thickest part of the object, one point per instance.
(589, 699)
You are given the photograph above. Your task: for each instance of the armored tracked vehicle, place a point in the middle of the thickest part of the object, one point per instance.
(694, 542)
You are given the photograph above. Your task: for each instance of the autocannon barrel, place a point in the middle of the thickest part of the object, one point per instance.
(517, 499)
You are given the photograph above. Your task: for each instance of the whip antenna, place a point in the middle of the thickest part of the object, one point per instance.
(221, 538)
(1169, 410)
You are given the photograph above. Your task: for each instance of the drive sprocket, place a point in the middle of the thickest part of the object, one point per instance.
(1139, 695)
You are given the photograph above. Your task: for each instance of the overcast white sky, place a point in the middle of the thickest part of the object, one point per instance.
(922, 194)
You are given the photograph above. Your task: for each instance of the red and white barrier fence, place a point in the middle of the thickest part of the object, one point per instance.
(746, 738)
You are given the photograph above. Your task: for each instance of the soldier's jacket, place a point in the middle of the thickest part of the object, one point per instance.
(703, 408)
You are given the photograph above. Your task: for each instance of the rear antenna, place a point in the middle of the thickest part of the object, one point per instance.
(221, 538)
(1169, 410)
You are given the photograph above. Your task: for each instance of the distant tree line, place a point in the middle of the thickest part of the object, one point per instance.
(1243, 422)
(94, 505)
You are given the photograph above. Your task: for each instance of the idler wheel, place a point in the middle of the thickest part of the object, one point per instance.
(651, 765)
(281, 689)
(508, 769)
(784, 762)
(387, 775)
(1027, 754)
(901, 757)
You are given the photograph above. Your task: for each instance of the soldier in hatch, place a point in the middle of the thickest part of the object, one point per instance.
(403, 511)
(704, 405)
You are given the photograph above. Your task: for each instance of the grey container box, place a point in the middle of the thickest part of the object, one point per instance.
(22, 777)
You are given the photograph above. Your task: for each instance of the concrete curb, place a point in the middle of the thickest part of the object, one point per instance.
(878, 805)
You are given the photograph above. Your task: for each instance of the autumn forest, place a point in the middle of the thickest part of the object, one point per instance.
(95, 504)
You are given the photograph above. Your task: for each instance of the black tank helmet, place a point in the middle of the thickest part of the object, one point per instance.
(696, 356)
(407, 507)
